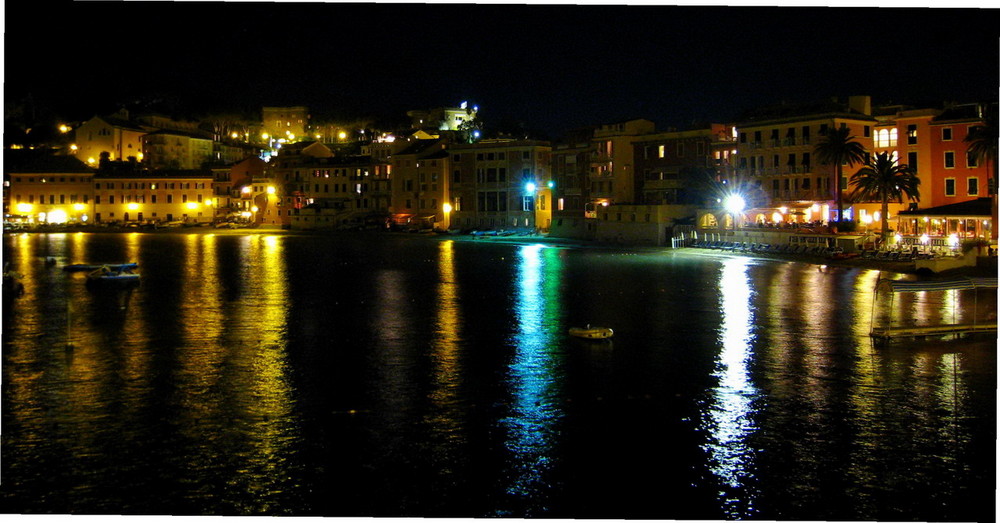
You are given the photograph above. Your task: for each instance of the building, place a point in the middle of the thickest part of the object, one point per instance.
(444, 118)
(228, 183)
(957, 176)
(123, 194)
(612, 163)
(115, 135)
(666, 162)
(46, 188)
(775, 148)
(420, 185)
(570, 167)
(285, 124)
(501, 185)
(171, 149)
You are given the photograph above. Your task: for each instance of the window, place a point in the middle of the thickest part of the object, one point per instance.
(911, 160)
(949, 159)
(971, 160)
(911, 134)
(456, 176)
(660, 151)
(946, 134)
(868, 131)
(680, 149)
(949, 187)
(973, 186)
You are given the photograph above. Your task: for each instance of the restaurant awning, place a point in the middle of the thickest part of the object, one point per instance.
(978, 208)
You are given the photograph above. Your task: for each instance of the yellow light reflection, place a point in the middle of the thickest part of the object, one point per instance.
(730, 416)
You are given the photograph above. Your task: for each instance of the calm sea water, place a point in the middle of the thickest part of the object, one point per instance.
(380, 375)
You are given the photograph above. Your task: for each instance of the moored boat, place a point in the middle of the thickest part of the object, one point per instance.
(113, 275)
(81, 267)
(591, 333)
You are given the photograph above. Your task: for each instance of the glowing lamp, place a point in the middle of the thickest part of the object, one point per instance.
(270, 189)
(78, 207)
(924, 239)
(191, 205)
(551, 184)
(735, 204)
(57, 216)
(953, 240)
(446, 208)
(254, 209)
(530, 187)
(24, 208)
(132, 206)
(245, 190)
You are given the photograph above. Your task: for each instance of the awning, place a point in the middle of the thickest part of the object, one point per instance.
(939, 285)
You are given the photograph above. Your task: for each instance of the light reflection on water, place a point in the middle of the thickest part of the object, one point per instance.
(534, 380)
(729, 419)
(243, 377)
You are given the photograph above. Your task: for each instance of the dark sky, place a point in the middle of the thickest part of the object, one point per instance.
(551, 68)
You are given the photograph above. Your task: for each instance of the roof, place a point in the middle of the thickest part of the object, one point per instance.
(979, 207)
(118, 122)
(41, 161)
(418, 147)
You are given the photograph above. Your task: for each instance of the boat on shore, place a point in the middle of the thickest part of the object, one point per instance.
(117, 275)
(591, 333)
(83, 267)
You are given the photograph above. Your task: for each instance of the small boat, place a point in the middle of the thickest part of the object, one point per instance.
(591, 333)
(118, 274)
(81, 267)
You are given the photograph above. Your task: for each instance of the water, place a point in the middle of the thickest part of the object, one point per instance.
(380, 375)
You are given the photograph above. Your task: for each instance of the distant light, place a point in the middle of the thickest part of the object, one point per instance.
(530, 187)
(551, 184)
(254, 209)
(132, 206)
(446, 208)
(245, 190)
(78, 207)
(24, 208)
(57, 216)
(475, 134)
(191, 205)
(342, 135)
(270, 189)
(953, 240)
(924, 239)
(65, 128)
(463, 105)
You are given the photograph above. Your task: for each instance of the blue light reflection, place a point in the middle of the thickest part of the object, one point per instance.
(535, 380)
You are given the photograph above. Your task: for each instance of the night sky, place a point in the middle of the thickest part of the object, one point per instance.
(549, 68)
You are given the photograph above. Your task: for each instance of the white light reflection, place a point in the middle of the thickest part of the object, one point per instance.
(534, 379)
(729, 418)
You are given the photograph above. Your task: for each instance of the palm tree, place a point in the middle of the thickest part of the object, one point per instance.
(882, 180)
(982, 140)
(837, 148)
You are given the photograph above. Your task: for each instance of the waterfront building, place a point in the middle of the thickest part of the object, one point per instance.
(501, 184)
(115, 135)
(444, 118)
(775, 148)
(420, 186)
(228, 184)
(570, 167)
(46, 188)
(612, 163)
(665, 163)
(125, 194)
(957, 176)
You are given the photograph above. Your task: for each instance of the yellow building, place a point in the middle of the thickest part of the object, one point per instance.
(159, 196)
(612, 172)
(48, 189)
(419, 185)
(775, 149)
(169, 149)
(115, 135)
(286, 124)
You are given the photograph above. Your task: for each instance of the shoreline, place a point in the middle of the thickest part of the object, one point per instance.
(858, 262)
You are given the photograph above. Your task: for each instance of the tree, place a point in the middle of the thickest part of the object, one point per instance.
(836, 148)
(982, 140)
(881, 180)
